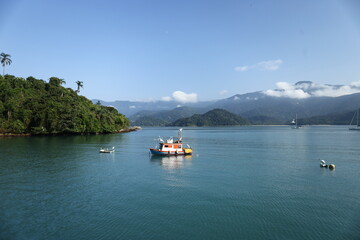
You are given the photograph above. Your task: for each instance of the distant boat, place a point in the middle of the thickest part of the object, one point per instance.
(171, 147)
(323, 164)
(357, 126)
(107, 150)
(294, 123)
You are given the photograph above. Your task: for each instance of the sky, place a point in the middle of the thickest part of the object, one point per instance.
(188, 50)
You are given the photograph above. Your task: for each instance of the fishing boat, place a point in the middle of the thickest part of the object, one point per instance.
(294, 123)
(357, 126)
(107, 150)
(171, 147)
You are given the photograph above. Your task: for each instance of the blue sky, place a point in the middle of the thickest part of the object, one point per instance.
(191, 50)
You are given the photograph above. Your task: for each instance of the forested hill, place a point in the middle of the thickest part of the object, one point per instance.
(215, 117)
(34, 106)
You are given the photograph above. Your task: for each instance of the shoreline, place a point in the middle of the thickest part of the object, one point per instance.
(124, 130)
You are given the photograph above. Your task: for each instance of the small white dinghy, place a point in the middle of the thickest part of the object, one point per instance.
(323, 164)
(107, 150)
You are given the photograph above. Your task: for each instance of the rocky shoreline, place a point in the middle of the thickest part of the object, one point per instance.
(15, 135)
(130, 129)
(125, 130)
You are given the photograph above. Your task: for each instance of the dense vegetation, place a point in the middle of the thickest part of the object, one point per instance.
(162, 118)
(149, 121)
(264, 120)
(216, 117)
(34, 106)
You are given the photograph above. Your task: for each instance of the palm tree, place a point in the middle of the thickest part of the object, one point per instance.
(79, 85)
(56, 81)
(5, 60)
(62, 81)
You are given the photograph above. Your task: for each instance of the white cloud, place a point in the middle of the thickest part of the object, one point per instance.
(284, 86)
(223, 92)
(309, 89)
(166, 99)
(132, 107)
(241, 68)
(271, 65)
(295, 93)
(355, 84)
(330, 91)
(182, 97)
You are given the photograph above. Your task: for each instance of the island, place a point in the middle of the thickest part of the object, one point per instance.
(35, 107)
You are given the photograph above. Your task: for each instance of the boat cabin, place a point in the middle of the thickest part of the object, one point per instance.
(170, 146)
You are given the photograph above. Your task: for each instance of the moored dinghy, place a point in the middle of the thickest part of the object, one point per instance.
(171, 147)
(107, 150)
(323, 164)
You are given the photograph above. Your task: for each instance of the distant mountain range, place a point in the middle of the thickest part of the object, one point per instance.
(215, 117)
(161, 118)
(331, 119)
(131, 108)
(260, 107)
(267, 107)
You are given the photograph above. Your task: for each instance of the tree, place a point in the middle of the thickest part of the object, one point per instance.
(56, 81)
(62, 81)
(5, 60)
(79, 85)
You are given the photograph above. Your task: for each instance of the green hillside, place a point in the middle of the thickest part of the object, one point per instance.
(216, 117)
(34, 106)
(162, 118)
(149, 121)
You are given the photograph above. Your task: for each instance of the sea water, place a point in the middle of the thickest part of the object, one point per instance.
(240, 183)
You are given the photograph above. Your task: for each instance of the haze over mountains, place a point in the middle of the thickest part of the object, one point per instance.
(279, 106)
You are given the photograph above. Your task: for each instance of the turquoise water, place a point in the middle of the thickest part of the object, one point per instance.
(241, 183)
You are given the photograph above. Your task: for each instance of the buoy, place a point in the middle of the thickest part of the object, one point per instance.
(332, 166)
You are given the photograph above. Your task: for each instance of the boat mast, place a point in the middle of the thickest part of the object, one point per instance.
(357, 119)
(180, 135)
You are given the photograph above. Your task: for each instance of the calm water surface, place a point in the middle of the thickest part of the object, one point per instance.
(241, 183)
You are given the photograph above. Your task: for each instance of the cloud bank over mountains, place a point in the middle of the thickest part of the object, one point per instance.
(182, 97)
(299, 90)
(307, 89)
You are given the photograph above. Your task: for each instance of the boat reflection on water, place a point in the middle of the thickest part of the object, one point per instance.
(171, 162)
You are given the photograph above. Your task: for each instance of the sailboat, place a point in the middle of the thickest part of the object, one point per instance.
(357, 127)
(294, 124)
